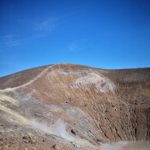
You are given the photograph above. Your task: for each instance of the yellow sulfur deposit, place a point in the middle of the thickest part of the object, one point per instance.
(19, 118)
(8, 99)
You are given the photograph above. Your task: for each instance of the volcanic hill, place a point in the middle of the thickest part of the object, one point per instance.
(74, 107)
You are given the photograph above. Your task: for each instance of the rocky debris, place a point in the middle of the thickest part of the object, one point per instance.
(29, 138)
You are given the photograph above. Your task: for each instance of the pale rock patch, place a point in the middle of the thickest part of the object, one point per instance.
(101, 83)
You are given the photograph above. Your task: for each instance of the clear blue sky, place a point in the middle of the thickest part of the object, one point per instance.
(100, 33)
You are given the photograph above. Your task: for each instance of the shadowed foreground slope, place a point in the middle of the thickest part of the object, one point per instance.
(73, 107)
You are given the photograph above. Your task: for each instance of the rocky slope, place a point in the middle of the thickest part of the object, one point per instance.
(73, 107)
